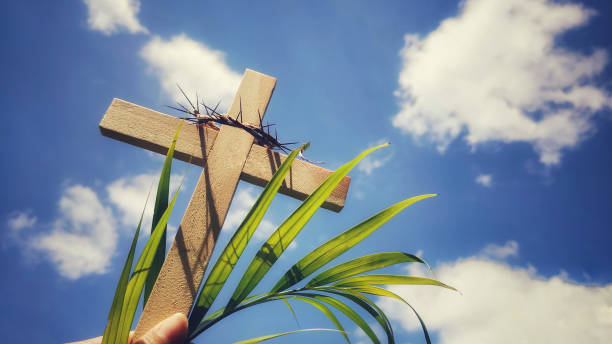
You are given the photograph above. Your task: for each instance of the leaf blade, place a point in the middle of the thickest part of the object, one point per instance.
(161, 203)
(114, 315)
(325, 310)
(136, 284)
(288, 230)
(341, 243)
(349, 312)
(362, 264)
(384, 292)
(381, 279)
(224, 265)
(369, 307)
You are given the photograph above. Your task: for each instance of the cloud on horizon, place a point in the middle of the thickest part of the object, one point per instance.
(495, 73)
(113, 16)
(83, 238)
(503, 304)
(194, 66)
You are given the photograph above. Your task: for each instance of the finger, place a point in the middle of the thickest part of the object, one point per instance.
(172, 330)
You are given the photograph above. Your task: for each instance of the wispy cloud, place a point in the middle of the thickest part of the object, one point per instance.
(128, 196)
(485, 180)
(193, 65)
(112, 16)
(494, 73)
(84, 236)
(505, 304)
(494, 251)
(20, 220)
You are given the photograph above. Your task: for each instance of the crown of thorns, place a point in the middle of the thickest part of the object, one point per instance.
(261, 133)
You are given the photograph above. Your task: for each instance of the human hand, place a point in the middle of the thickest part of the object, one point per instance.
(172, 330)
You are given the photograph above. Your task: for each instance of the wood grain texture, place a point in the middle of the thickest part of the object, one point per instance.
(183, 269)
(152, 130)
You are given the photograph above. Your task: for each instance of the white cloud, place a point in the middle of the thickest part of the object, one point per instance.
(129, 194)
(485, 180)
(504, 304)
(494, 73)
(112, 16)
(83, 239)
(20, 220)
(509, 249)
(192, 65)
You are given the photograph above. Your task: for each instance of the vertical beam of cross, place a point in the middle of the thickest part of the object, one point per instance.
(183, 269)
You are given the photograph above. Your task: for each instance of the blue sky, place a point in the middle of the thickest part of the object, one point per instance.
(501, 107)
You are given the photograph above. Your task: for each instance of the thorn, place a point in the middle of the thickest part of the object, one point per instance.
(214, 111)
(240, 113)
(184, 95)
(177, 109)
(184, 108)
(197, 102)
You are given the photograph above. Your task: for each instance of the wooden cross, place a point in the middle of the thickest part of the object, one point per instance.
(226, 156)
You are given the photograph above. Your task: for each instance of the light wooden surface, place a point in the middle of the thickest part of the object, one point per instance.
(183, 269)
(152, 130)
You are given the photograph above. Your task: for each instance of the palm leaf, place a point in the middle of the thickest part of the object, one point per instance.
(380, 279)
(361, 265)
(384, 292)
(369, 307)
(288, 230)
(320, 306)
(271, 336)
(115, 312)
(348, 311)
(234, 248)
(161, 203)
(136, 284)
(340, 244)
(284, 299)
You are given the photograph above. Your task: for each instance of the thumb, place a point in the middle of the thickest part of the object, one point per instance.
(172, 330)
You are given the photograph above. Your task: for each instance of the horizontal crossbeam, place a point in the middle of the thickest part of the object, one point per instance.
(152, 130)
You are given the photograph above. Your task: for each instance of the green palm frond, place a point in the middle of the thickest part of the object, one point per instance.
(345, 288)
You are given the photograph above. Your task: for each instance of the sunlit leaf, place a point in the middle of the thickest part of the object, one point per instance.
(361, 265)
(379, 279)
(369, 307)
(136, 284)
(384, 292)
(161, 203)
(328, 313)
(114, 315)
(234, 248)
(287, 231)
(348, 311)
(284, 299)
(340, 244)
